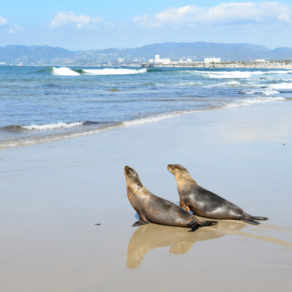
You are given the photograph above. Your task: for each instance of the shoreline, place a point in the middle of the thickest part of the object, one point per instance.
(150, 119)
(53, 194)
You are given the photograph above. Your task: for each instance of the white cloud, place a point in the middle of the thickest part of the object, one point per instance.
(15, 29)
(222, 14)
(77, 21)
(3, 21)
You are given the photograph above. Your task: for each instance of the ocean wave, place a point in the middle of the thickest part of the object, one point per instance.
(65, 71)
(155, 118)
(229, 83)
(236, 74)
(247, 102)
(281, 86)
(265, 92)
(53, 126)
(188, 83)
(230, 75)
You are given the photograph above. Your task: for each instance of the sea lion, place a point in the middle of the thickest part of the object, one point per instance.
(205, 203)
(151, 208)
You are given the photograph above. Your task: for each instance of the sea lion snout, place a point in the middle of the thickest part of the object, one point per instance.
(171, 168)
(132, 176)
(129, 171)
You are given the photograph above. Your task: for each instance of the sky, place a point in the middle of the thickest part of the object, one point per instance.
(94, 24)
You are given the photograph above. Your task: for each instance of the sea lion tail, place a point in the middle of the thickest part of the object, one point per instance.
(258, 217)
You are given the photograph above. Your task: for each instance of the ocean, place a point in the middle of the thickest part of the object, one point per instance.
(43, 104)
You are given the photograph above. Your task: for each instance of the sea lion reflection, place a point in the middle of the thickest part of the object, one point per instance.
(152, 236)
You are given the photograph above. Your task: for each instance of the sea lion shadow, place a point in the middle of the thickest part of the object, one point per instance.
(152, 236)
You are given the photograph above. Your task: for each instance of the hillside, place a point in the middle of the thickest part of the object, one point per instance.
(197, 51)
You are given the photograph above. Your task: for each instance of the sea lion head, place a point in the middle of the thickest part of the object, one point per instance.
(180, 172)
(132, 178)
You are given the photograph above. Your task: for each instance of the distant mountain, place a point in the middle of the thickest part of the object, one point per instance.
(31, 54)
(197, 51)
(255, 48)
(200, 50)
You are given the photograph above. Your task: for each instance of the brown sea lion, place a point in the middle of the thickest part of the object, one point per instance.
(151, 208)
(205, 203)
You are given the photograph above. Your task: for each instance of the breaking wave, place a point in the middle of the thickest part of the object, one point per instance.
(247, 102)
(281, 86)
(265, 92)
(65, 71)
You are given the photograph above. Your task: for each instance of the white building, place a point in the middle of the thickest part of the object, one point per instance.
(212, 60)
(163, 61)
(189, 60)
(151, 60)
(121, 60)
(260, 61)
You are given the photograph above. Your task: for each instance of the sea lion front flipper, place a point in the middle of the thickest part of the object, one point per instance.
(184, 206)
(139, 223)
(142, 219)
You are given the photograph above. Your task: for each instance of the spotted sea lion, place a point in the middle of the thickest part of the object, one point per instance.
(205, 203)
(151, 208)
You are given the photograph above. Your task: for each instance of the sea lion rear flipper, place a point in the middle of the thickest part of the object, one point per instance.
(258, 217)
(247, 219)
(139, 223)
(193, 225)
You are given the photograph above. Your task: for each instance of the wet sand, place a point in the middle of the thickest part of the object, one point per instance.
(53, 194)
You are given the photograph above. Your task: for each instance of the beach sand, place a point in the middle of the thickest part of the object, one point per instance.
(53, 194)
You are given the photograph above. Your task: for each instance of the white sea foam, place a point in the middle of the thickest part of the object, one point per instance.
(153, 119)
(53, 126)
(112, 71)
(229, 83)
(247, 102)
(188, 83)
(265, 92)
(281, 86)
(64, 71)
(236, 74)
(230, 75)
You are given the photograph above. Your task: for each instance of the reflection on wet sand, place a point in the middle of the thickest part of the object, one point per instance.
(152, 236)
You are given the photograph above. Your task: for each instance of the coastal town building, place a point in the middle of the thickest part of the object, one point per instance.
(121, 60)
(163, 61)
(260, 61)
(212, 60)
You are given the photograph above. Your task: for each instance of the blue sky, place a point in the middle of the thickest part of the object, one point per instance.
(92, 24)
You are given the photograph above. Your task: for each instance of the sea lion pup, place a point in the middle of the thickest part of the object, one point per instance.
(205, 203)
(151, 208)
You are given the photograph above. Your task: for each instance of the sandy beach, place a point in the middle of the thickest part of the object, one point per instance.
(53, 194)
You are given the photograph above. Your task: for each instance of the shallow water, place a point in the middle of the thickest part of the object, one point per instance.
(39, 104)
